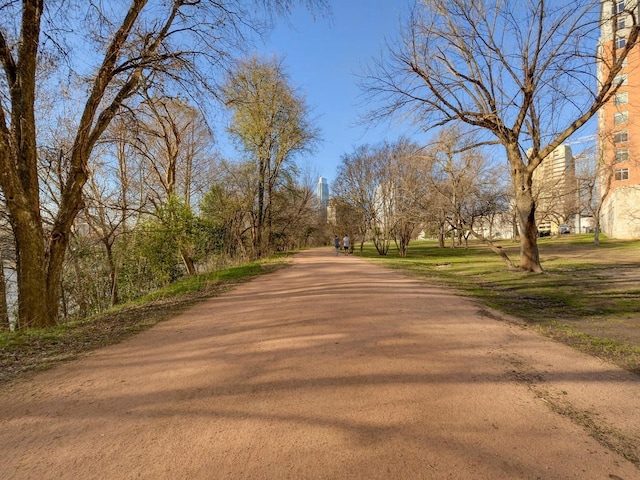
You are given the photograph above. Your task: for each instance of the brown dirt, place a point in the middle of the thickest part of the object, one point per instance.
(333, 368)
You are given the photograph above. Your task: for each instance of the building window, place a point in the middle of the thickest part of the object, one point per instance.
(621, 22)
(622, 174)
(618, 7)
(622, 136)
(620, 79)
(621, 98)
(621, 42)
(622, 155)
(620, 117)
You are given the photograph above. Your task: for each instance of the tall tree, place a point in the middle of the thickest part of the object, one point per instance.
(457, 175)
(172, 138)
(524, 73)
(228, 206)
(272, 124)
(594, 178)
(363, 188)
(412, 194)
(184, 41)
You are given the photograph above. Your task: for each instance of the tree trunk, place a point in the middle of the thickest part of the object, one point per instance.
(257, 247)
(189, 264)
(441, 235)
(31, 266)
(4, 311)
(83, 304)
(113, 275)
(525, 212)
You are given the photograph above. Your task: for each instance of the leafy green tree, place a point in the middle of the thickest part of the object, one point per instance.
(163, 248)
(271, 124)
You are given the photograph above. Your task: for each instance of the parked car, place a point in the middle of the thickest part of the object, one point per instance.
(562, 229)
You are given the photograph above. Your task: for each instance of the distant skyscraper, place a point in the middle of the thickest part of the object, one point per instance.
(323, 191)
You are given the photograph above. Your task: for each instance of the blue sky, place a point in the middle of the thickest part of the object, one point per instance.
(323, 58)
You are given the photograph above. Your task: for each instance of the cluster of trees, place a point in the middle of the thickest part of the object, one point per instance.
(523, 75)
(106, 158)
(392, 191)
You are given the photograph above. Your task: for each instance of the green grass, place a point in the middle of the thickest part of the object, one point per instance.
(199, 283)
(585, 297)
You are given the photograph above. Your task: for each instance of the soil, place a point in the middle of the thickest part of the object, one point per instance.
(333, 368)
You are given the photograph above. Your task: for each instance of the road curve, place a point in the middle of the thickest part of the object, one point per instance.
(334, 368)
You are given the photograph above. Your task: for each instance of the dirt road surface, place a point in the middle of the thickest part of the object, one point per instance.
(333, 368)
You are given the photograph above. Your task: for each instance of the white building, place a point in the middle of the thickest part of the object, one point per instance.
(323, 192)
(555, 190)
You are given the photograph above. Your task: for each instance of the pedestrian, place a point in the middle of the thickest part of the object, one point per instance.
(345, 244)
(336, 243)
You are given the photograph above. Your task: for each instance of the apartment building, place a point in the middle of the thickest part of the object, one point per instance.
(555, 190)
(619, 126)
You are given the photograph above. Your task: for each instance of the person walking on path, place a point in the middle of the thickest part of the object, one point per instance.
(345, 244)
(336, 244)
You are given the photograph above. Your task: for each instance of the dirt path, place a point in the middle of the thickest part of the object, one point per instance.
(331, 369)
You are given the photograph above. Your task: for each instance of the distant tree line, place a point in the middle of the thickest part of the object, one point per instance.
(390, 192)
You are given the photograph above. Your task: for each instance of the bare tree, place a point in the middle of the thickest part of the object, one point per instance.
(468, 189)
(229, 207)
(362, 189)
(458, 171)
(295, 219)
(596, 179)
(138, 40)
(524, 73)
(345, 219)
(172, 138)
(409, 172)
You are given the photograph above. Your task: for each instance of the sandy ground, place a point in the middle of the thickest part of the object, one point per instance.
(331, 369)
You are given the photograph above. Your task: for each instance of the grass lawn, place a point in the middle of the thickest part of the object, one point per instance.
(588, 297)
